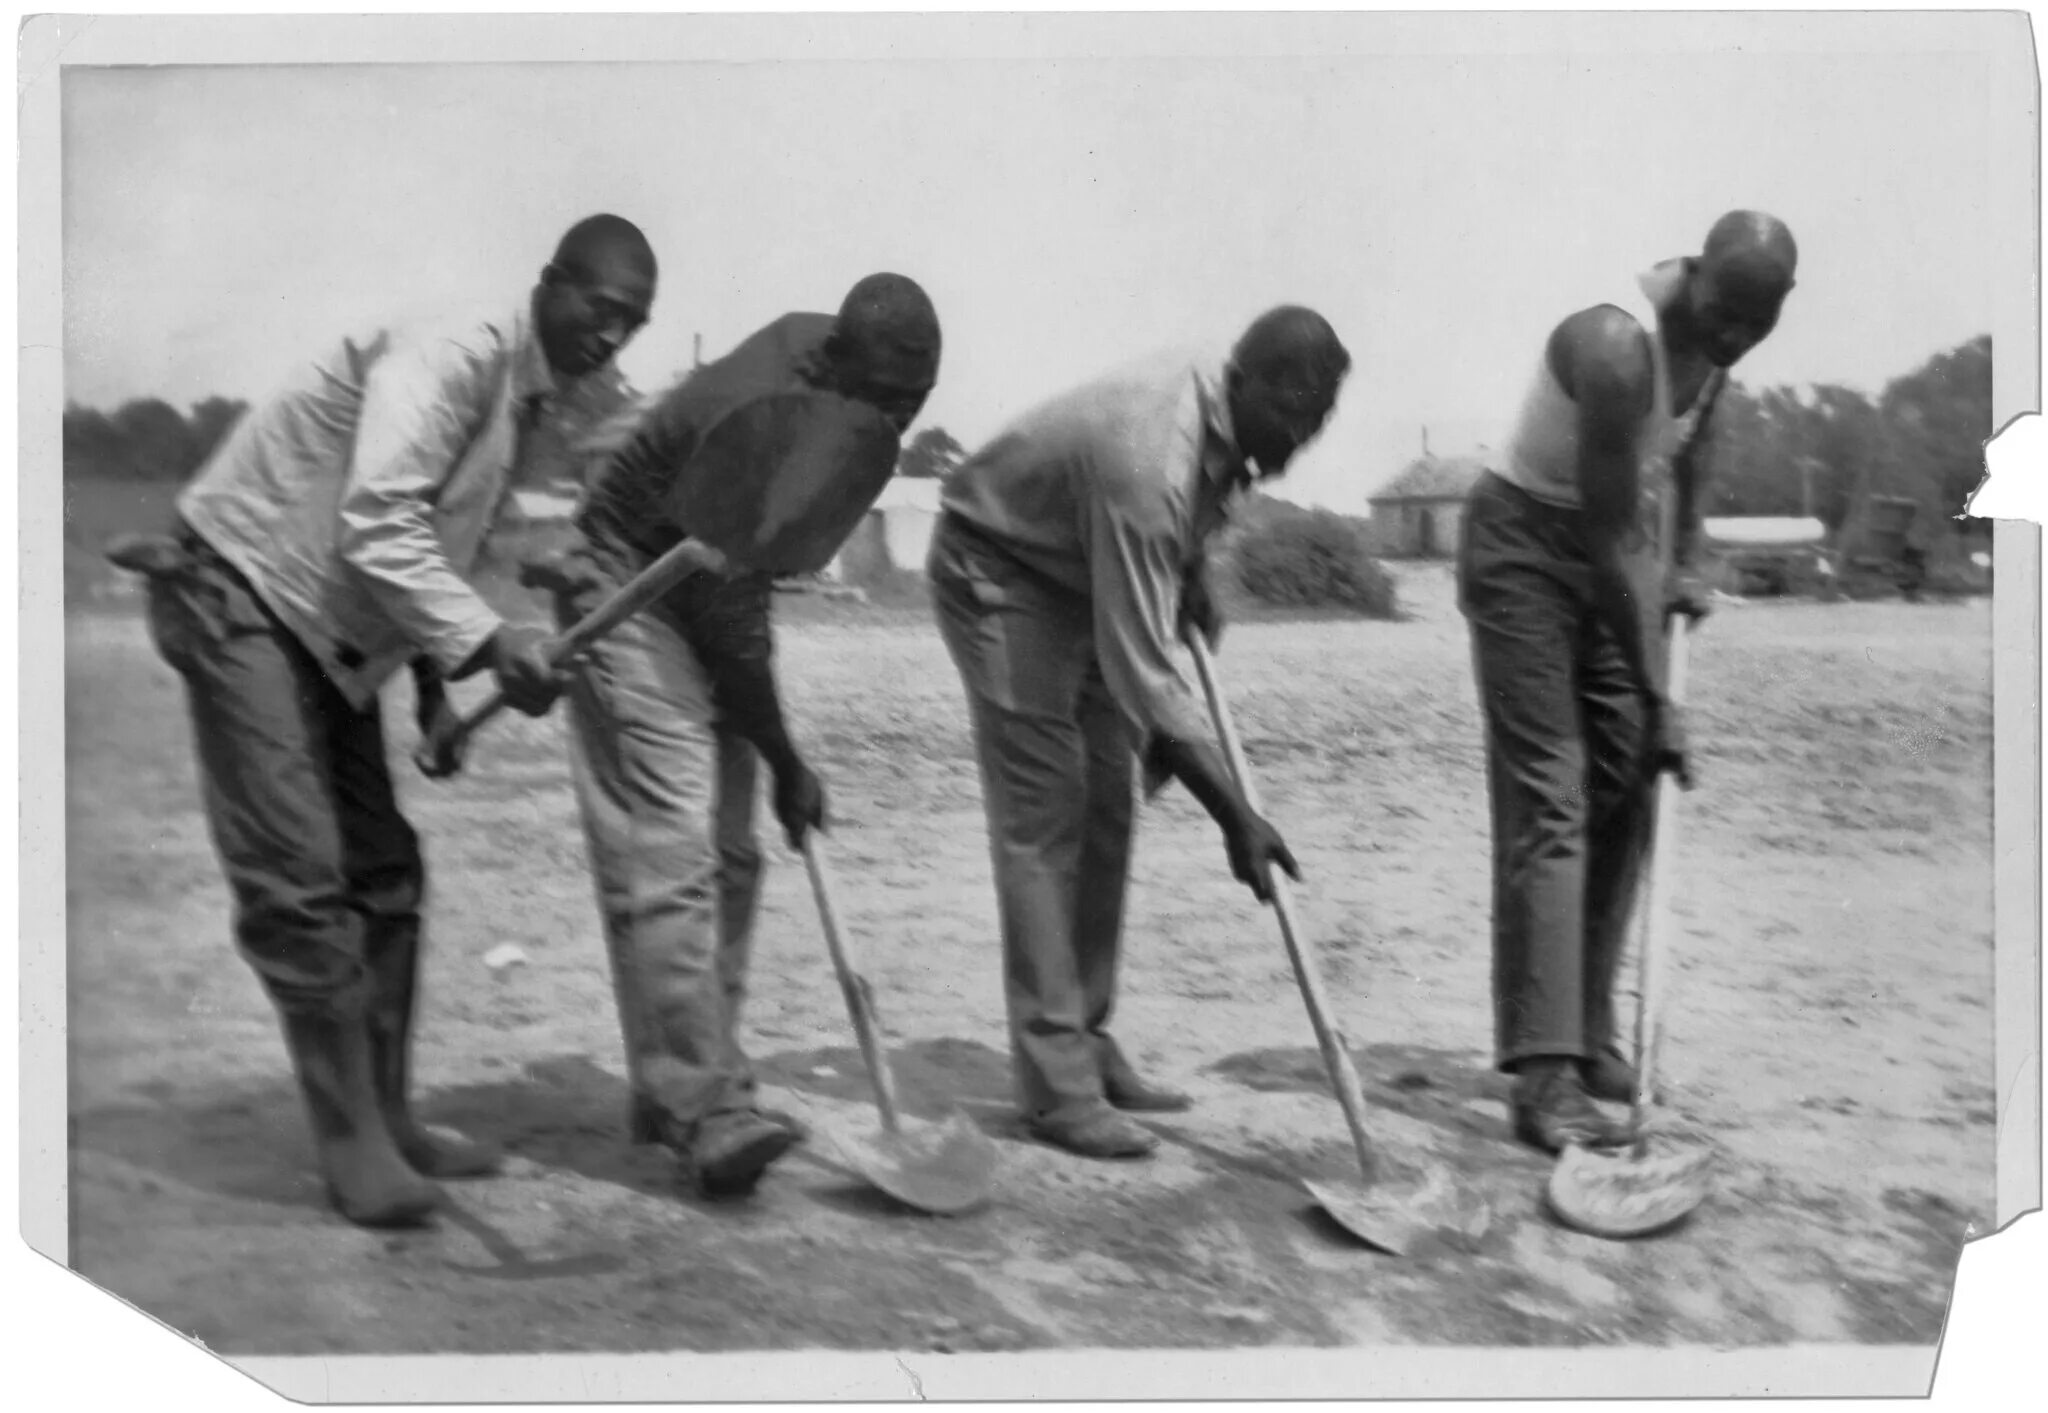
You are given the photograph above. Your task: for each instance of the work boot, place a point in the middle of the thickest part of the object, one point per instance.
(389, 1020)
(1552, 1111)
(647, 1124)
(1126, 1089)
(1094, 1132)
(729, 1152)
(1608, 1075)
(368, 1180)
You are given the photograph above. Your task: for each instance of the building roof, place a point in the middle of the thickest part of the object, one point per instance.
(910, 493)
(1432, 478)
(1763, 529)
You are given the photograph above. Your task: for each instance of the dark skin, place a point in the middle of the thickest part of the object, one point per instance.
(1275, 413)
(1603, 360)
(588, 307)
(896, 382)
(591, 300)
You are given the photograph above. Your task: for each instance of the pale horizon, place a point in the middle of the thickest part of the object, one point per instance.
(1444, 211)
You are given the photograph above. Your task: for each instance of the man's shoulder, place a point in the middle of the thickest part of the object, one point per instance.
(1600, 340)
(473, 331)
(1135, 393)
(785, 338)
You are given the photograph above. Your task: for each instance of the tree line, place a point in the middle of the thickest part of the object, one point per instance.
(1821, 451)
(1818, 450)
(147, 439)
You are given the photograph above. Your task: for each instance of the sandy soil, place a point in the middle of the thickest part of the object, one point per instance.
(1830, 1029)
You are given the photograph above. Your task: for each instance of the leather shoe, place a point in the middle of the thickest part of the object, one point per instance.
(1126, 1089)
(1608, 1075)
(1129, 1092)
(731, 1151)
(1553, 1112)
(1096, 1132)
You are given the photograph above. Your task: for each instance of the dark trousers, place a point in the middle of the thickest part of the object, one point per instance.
(326, 873)
(1566, 752)
(1056, 777)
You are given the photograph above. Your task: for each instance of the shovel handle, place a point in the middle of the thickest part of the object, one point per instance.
(859, 1000)
(1336, 1058)
(1657, 903)
(637, 594)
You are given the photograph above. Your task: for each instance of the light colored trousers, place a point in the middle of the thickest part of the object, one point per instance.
(1056, 779)
(668, 814)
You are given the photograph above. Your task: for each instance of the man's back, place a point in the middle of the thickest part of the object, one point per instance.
(1137, 427)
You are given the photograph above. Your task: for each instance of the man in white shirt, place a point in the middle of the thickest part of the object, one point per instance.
(329, 541)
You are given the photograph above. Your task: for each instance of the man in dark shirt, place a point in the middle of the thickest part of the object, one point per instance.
(670, 714)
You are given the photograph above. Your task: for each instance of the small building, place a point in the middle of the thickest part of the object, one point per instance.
(894, 536)
(1767, 555)
(1419, 513)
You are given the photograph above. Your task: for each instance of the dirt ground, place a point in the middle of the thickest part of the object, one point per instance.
(1830, 1029)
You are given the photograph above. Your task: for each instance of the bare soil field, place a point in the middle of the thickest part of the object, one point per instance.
(1829, 1027)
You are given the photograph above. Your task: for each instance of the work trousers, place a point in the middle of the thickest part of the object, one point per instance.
(325, 872)
(1056, 776)
(1567, 771)
(667, 798)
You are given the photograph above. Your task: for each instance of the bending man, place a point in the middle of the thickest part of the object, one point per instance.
(1563, 577)
(1068, 555)
(671, 714)
(326, 544)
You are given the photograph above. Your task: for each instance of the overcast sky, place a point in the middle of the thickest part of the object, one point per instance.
(1444, 211)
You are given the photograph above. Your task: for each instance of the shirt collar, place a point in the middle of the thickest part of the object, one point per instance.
(1210, 387)
(1660, 283)
(531, 377)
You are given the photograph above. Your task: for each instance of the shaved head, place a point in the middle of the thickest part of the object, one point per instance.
(884, 346)
(594, 295)
(1292, 345)
(892, 313)
(1752, 254)
(1282, 383)
(1735, 287)
(599, 245)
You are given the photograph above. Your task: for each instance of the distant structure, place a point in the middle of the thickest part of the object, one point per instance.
(894, 536)
(1418, 514)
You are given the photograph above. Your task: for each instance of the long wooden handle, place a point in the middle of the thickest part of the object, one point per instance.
(860, 1003)
(638, 593)
(1657, 903)
(1336, 1057)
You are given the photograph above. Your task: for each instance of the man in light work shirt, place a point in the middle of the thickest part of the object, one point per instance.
(672, 713)
(1576, 548)
(324, 545)
(1067, 558)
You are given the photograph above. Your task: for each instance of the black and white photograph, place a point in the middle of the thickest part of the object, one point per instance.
(982, 689)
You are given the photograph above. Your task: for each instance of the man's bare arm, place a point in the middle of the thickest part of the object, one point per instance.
(1602, 359)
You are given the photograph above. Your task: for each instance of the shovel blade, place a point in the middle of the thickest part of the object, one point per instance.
(1631, 1191)
(944, 1168)
(1399, 1217)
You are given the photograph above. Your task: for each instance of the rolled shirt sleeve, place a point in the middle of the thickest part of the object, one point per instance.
(422, 403)
(1135, 532)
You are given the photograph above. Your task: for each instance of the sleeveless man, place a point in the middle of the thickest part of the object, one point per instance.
(1575, 550)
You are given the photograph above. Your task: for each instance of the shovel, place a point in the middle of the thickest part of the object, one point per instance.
(437, 755)
(776, 484)
(1653, 1183)
(943, 1168)
(1380, 1210)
